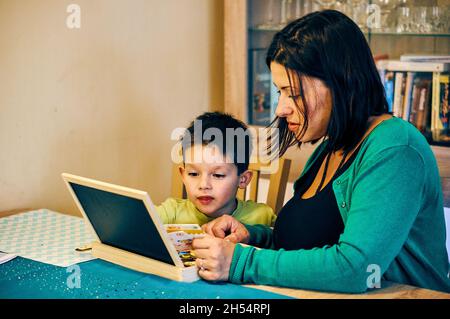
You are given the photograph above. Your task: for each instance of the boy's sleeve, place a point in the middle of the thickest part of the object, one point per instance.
(167, 211)
(266, 214)
(261, 214)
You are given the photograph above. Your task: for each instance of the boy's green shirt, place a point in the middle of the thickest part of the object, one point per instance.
(390, 200)
(183, 211)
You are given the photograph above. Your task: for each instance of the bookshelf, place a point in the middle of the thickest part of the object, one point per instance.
(247, 81)
(259, 20)
(418, 92)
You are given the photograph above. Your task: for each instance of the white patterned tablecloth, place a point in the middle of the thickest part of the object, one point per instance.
(45, 236)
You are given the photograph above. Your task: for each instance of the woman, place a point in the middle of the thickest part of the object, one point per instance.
(369, 200)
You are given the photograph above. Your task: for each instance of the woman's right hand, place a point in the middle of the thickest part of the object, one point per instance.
(228, 228)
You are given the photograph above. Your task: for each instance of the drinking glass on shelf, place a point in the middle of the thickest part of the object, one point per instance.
(298, 9)
(358, 13)
(315, 6)
(404, 20)
(345, 7)
(437, 19)
(421, 23)
(386, 8)
(306, 6)
(284, 13)
(289, 15)
(269, 22)
(447, 19)
(325, 4)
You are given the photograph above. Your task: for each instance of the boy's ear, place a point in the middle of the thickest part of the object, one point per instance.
(245, 178)
(181, 170)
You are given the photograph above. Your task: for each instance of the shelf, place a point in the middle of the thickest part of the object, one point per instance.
(410, 34)
(439, 143)
(445, 141)
(259, 98)
(372, 33)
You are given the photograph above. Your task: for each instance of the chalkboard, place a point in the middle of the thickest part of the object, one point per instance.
(122, 222)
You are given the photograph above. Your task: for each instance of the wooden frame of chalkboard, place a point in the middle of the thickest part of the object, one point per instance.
(127, 228)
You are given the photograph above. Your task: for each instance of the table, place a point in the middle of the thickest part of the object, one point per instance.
(388, 290)
(24, 278)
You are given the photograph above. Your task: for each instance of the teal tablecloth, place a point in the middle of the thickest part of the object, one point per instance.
(25, 278)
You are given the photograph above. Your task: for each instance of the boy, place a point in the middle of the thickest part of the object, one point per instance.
(215, 165)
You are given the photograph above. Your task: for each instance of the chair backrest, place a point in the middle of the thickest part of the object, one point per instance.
(447, 226)
(276, 191)
(443, 159)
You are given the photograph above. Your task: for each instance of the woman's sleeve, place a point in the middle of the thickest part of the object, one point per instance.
(386, 198)
(260, 236)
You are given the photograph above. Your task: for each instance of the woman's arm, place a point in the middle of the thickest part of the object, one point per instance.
(260, 236)
(229, 228)
(382, 212)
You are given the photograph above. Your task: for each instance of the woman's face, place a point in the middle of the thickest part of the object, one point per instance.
(318, 99)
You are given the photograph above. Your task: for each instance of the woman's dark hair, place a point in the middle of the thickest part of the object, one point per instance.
(329, 46)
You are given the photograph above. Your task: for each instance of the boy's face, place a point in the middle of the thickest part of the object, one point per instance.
(211, 180)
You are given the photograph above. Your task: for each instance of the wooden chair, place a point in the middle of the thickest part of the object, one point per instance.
(277, 184)
(443, 159)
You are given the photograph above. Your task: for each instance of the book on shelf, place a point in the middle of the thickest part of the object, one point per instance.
(440, 114)
(444, 112)
(420, 104)
(418, 92)
(407, 96)
(399, 93)
(388, 83)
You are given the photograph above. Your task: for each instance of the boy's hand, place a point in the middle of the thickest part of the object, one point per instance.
(228, 228)
(214, 256)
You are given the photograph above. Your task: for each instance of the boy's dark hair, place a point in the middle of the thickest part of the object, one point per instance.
(329, 46)
(235, 141)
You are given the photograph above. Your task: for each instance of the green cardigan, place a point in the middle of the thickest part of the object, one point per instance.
(391, 203)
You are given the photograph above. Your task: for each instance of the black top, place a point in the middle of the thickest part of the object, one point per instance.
(311, 222)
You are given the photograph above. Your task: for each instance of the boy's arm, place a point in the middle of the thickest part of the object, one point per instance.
(167, 211)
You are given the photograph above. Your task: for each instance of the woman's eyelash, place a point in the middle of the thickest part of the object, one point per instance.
(219, 175)
(192, 174)
(294, 97)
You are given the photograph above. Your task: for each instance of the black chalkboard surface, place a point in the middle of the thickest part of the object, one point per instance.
(121, 221)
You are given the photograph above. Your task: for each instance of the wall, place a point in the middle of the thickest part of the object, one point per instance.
(102, 100)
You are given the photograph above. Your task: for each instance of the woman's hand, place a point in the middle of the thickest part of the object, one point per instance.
(214, 257)
(228, 228)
